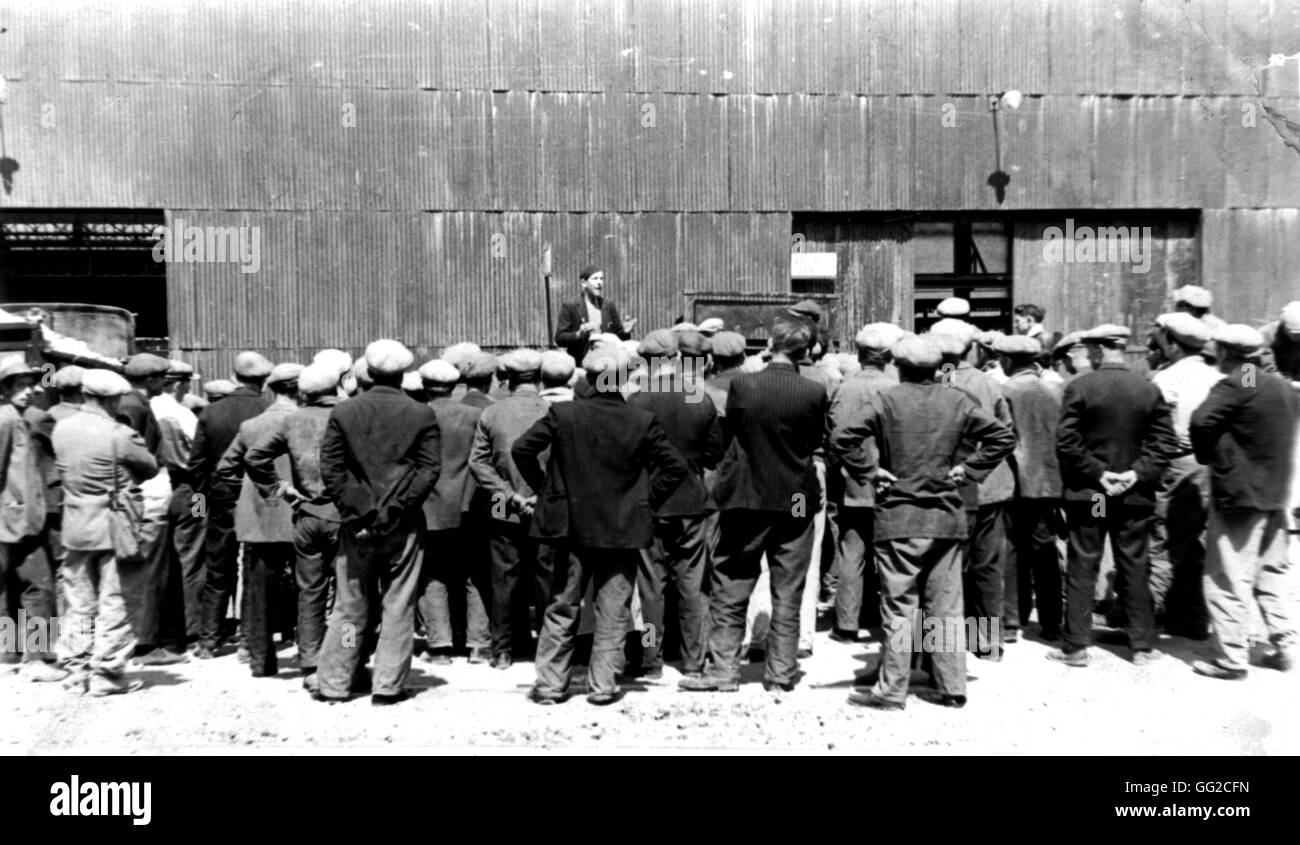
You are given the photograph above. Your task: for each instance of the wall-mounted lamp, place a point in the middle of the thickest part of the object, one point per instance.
(1010, 99)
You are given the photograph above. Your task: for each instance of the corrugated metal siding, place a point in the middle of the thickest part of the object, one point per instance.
(1251, 256)
(875, 271)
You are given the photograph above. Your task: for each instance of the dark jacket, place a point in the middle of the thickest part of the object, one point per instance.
(611, 467)
(380, 458)
(216, 430)
(455, 488)
(775, 421)
(691, 424)
(1035, 411)
(1113, 419)
(921, 432)
(574, 314)
(1246, 434)
(848, 406)
(133, 410)
(258, 518)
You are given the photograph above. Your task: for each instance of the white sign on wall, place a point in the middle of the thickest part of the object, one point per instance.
(814, 265)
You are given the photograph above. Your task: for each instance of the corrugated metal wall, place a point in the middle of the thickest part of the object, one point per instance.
(381, 145)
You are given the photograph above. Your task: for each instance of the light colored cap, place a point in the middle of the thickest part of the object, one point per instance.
(849, 363)
(361, 373)
(989, 340)
(336, 359)
(284, 372)
(68, 378)
(1018, 344)
(1067, 343)
(178, 369)
(631, 347)
(685, 327)
(711, 326)
(16, 365)
(194, 402)
(605, 337)
(659, 343)
(1239, 338)
(219, 387)
(727, 344)
(411, 382)
(439, 371)
(320, 377)
(949, 345)
(521, 361)
(106, 383)
(1109, 333)
(1184, 328)
(557, 364)
(953, 307)
(605, 359)
(387, 357)
(480, 365)
(252, 365)
(1289, 321)
(917, 352)
(878, 336)
(460, 354)
(692, 344)
(145, 364)
(1193, 295)
(960, 329)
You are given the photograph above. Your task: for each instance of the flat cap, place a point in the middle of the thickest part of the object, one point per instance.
(106, 383)
(145, 364)
(194, 402)
(320, 377)
(1239, 338)
(878, 336)
(557, 364)
(807, 309)
(439, 371)
(954, 307)
(918, 352)
(711, 326)
(1017, 344)
(479, 366)
(388, 357)
(692, 344)
(16, 365)
(411, 382)
(960, 329)
(589, 270)
(217, 388)
(460, 354)
(178, 369)
(68, 378)
(1108, 333)
(728, 345)
(521, 361)
(1289, 320)
(1193, 295)
(948, 345)
(335, 358)
(658, 344)
(1065, 344)
(685, 327)
(849, 362)
(605, 359)
(360, 373)
(252, 365)
(989, 340)
(281, 373)
(1184, 328)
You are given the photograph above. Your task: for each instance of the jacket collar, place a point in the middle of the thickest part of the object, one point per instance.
(244, 390)
(383, 389)
(608, 396)
(781, 365)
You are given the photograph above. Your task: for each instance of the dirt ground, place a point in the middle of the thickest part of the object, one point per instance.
(1022, 705)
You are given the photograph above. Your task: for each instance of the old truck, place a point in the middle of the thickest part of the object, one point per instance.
(60, 333)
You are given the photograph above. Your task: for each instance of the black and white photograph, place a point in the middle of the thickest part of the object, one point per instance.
(871, 378)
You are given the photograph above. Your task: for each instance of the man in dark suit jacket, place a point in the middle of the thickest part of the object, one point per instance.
(611, 467)
(767, 492)
(217, 427)
(380, 457)
(1114, 442)
(677, 398)
(590, 314)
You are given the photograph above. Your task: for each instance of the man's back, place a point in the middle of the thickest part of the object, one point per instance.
(217, 427)
(1035, 406)
(90, 448)
(1001, 484)
(455, 486)
(847, 407)
(691, 424)
(775, 421)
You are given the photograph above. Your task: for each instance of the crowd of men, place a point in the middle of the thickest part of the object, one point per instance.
(483, 502)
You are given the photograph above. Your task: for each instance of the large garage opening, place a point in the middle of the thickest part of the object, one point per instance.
(98, 257)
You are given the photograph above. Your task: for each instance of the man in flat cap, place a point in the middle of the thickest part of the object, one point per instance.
(1114, 442)
(298, 435)
(727, 353)
(517, 582)
(64, 391)
(26, 567)
(676, 397)
(767, 492)
(1182, 502)
(589, 315)
(955, 307)
(380, 458)
(986, 356)
(984, 552)
(1196, 300)
(711, 327)
(477, 372)
(929, 440)
(598, 506)
(216, 430)
(856, 514)
(557, 374)
(263, 524)
(1245, 431)
(1033, 562)
(98, 459)
(458, 558)
(218, 389)
(1070, 357)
